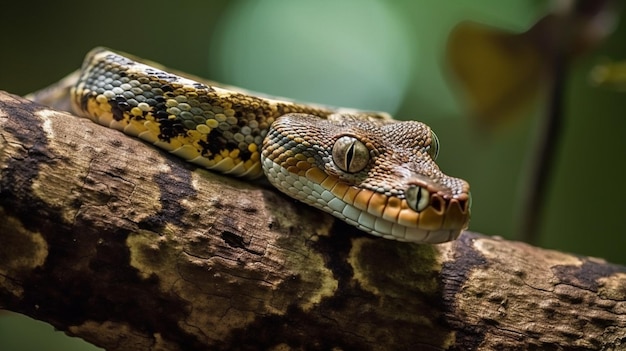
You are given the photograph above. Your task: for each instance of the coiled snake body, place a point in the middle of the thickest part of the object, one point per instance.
(367, 169)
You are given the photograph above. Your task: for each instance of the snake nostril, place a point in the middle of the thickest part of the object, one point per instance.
(437, 204)
(464, 204)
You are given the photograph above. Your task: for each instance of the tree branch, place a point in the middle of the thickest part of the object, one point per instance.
(116, 242)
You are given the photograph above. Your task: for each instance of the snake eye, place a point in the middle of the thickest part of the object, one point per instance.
(350, 155)
(417, 198)
(433, 149)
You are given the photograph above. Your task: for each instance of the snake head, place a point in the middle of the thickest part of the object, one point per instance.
(377, 174)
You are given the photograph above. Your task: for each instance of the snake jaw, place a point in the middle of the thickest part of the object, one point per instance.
(389, 217)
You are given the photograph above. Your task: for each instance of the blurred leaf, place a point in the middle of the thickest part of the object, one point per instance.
(502, 73)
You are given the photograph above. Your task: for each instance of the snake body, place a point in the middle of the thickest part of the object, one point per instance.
(367, 169)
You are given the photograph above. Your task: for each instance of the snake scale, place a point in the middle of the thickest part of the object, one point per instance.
(367, 169)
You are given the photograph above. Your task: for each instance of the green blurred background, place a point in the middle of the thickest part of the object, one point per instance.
(365, 54)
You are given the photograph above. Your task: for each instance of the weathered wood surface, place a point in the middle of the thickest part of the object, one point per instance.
(116, 242)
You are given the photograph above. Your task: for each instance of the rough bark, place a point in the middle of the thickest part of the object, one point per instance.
(116, 242)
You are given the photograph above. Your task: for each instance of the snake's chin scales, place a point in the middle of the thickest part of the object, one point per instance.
(367, 169)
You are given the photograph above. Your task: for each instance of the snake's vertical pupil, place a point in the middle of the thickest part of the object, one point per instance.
(417, 198)
(350, 154)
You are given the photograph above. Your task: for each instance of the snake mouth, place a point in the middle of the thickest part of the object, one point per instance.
(442, 219)
(447, 212)
(379, 214)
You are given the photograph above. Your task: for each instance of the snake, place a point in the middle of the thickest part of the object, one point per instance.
(373, 172)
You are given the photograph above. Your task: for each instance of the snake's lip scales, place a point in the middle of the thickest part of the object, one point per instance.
(442, 203)
(457, 215)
